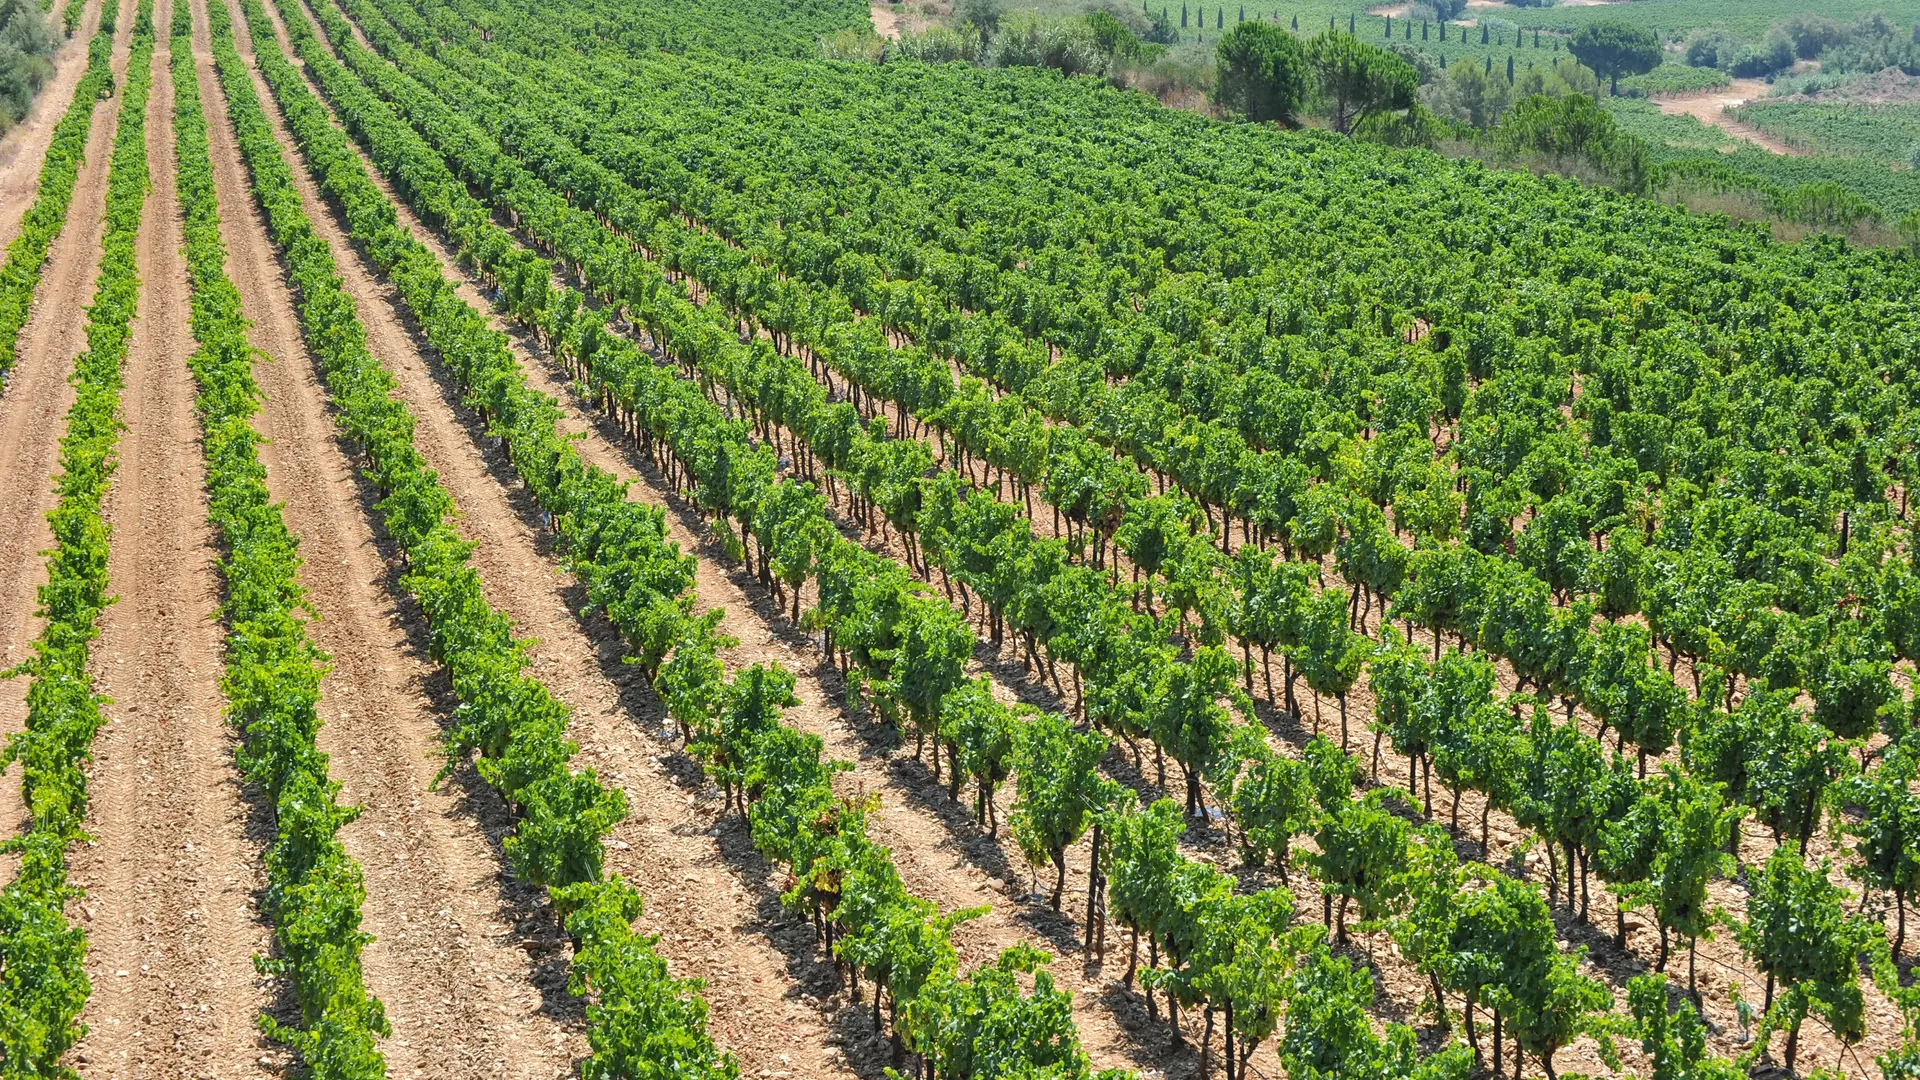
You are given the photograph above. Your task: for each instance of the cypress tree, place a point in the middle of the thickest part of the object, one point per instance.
(1443, 29)
(1509, 69)
(1219, 18)
(1350, 23)
(1423, 29)
(1536, 37)
(1243, 13)
(1443, 61)
(1489, 63)
(1296, 22)
(1389, 26)
(1183, 16)
(1483, 33)
(1409, 30)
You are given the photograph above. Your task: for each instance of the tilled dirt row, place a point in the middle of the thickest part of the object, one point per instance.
(466, 967)
(24, 146)
(1724, 974)
(171, 871)
(935, 844)
(33, 412)
(978, 855)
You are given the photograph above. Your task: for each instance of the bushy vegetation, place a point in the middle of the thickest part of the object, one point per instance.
(27, 42)
(1867, 44)
(1106, 38)
(1671, 78)
(43, 951)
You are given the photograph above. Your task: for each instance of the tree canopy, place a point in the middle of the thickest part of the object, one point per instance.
(1613, 49)
(1263, 73)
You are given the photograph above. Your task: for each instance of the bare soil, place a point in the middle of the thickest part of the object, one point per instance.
(469, 961)
(33, 411)
(940, 853)
(465, 965)
(1710, 107)
(24, 146)
(173, 867)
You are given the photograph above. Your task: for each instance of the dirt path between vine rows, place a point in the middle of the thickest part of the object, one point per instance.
(33, 412)
(24, 147)
(762, 982)
(935, 843)
(1721, 966)
(1710, 107)
(464, 967)
(172, 870)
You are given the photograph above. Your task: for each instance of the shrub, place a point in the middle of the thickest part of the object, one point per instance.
(1029, 40)
(26, 45)
(1756, 61)
(1711, 47)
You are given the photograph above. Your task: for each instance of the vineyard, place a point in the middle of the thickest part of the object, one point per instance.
(579, 538)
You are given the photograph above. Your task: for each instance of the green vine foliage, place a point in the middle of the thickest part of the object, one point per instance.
(59, 170)
(272, 669)
(43, 980)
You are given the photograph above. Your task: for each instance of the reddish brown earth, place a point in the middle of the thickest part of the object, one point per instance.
(33, 410)
(173, 868)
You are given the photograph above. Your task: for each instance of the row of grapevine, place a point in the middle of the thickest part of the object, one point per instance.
(1154, 532)
(27, 255)
(1571, 786)
(870, 922)
(273, 670)
(43, 981)
(1272, 603)
(1518, 621)
(884, 473)
(642, 1012)
(1233, 953)
(1487, 600)
(1182, 412)
(1056, 746)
